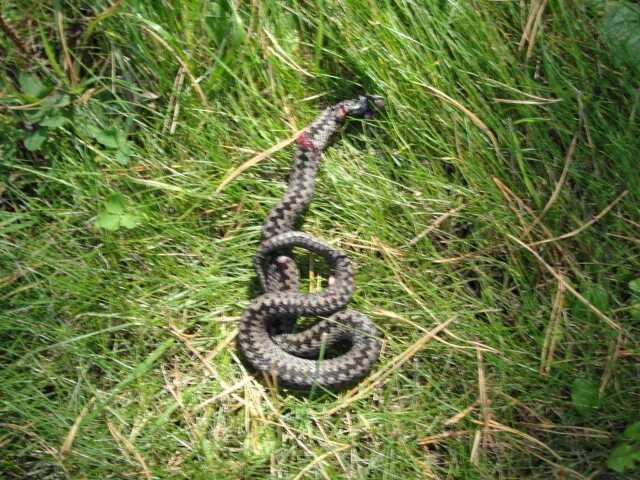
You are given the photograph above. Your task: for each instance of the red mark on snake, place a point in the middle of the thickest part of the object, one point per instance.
(306, 142)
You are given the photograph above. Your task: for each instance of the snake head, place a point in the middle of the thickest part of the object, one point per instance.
(365, 107)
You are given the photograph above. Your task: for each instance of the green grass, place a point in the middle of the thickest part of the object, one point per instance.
(105, 333)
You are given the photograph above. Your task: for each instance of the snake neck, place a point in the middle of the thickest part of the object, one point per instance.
(316, 138)
(302, 180)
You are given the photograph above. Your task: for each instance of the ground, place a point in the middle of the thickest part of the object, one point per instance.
(491, 212)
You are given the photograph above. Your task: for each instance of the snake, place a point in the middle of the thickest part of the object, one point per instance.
(342, 347)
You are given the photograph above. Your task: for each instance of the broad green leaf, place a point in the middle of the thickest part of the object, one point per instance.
(619, 24)
(34, 140)
(85, 127)
(128, 221)
(598, 297)
(108, 137)
(634, 285)
(121, 138)
(624, 457)
(108, 221)
(57, 100)
(54, 122)
(123, 153)
(37, 115)
(122, 157)
(633, 431)
(32, 86)
(115, 203)
(584, 396)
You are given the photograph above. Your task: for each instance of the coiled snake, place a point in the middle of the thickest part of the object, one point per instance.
(266, 333)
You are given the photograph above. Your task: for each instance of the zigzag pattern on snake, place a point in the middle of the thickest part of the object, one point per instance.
(267, 337)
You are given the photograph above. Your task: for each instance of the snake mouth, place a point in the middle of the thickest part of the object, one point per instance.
(377, 101)
(366, 106)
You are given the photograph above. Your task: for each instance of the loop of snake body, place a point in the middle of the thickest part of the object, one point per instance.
(266, 333)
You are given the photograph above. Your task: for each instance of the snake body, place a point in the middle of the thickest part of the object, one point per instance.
(266, 333)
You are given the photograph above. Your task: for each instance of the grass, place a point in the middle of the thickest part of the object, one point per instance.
(118, 348)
